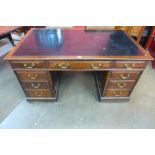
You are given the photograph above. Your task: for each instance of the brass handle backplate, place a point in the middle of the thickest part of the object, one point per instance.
(38, 93)
(127, 66)
(63, 65)
(95, 66)
(125, 77)
(121, 85)
(29, 66)
(33, 77)
(35, 85)
(117, 93)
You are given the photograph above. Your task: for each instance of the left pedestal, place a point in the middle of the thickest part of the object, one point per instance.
(38, 84)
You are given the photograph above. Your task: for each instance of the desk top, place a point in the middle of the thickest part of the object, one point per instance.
(7, 29)
(54, 44)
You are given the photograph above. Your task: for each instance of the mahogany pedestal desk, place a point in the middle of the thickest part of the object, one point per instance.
(115, 58)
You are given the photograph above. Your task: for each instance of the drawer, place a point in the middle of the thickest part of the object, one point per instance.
(91, 65)
(28, 64)
(125, 75)
(123, 84)
(33, 76)
(116, 93)
(39, 93)
(130, 64)
(36, 85)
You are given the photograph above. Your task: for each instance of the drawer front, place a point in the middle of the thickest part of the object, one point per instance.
(116, 93)
(91, 65)
(36, 85)
(124, 84)
(28, 64)
(125, 75)
(39, 93)
(130, 65)
(33, 76)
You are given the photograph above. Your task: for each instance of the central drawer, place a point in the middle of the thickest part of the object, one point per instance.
(90, 65)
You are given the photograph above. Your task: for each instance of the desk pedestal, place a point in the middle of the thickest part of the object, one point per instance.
(116, 85)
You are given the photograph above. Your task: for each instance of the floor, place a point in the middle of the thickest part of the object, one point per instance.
(77, 105)
(9, 97)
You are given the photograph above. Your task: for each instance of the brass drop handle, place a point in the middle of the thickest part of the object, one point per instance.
(29, 66)
(39, 93)
(33, 77)
(121, 85)
(95, 66)
(125, 77)
(63, 65)
(117, 93)
(127, 66)
(35, 85)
